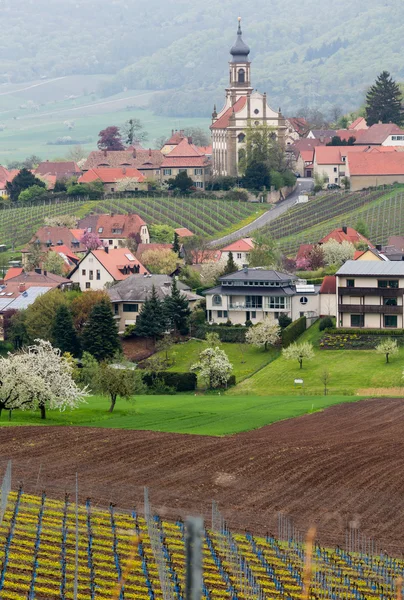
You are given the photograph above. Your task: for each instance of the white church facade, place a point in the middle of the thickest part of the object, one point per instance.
(244, 106)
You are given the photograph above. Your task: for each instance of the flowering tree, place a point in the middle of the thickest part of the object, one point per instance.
(387, 347)
(160, 261)
(299, 352)
(127, 184)
(337, 254)
(91, 241)
(303, 263)
(39, 378)
(214, 366)
(263, 334)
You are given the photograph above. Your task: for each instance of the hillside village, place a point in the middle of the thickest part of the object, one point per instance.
(211, 326)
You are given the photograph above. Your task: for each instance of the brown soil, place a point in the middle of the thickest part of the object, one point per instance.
(344, 464)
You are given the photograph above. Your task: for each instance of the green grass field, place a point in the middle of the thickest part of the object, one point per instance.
(245, 359)
(203, 415)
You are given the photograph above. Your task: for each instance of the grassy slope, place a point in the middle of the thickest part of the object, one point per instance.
(350, 370)
(203, 415)
(245, 359)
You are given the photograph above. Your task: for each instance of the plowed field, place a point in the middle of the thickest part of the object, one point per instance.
(344, 464)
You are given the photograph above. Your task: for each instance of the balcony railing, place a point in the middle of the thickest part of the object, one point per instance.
(361, 309)
(365, 291)
(243, 306)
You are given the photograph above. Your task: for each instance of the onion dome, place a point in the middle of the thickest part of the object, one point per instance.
(240, 50)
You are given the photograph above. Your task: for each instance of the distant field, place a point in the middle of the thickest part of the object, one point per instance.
(381, 210)
(209, 217)
(49, 104)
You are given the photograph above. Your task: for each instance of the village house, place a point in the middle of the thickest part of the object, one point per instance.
(148, 162)
(186, 157)
(394, 250)
(370, 294)
(372, 169)
(57, 239)
(328, 297)
(296, 128)
(112, 178)
(129, 296)
(243, 106)
(62, 170)
(257, 294)
(113, 230)
(240, 250)
(100, 268)
(346, 234)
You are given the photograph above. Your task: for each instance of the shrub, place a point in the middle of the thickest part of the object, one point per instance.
(231, 381)
(326, 323)
(232, 334)
(284, 321)
(293, 331)
(181, 382)
(238, 194)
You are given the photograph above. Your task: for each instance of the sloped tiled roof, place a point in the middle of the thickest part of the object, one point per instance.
(119, 257)
(328, 155)
(243, 245)
(34, 278)
(376, 134)
(62, 170)
(350, 235)
(299, 124)
(376, 163)
(137, 288)
(129, 224)
(183, 232)
(54, 235)
(175, 138)
(184, 148)
(178, 162)
(304, 250)
(357, 122)
(224, 121)
(139, 159)
(111, 175)
(329, 285)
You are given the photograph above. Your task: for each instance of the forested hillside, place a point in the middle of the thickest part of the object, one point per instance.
(317, 52)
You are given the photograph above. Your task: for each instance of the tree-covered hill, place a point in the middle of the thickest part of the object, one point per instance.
(317, 52)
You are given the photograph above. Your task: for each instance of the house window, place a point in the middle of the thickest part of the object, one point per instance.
(112, 189)
(350, 283)
(253, 314)
(336, 180)
(198, 171)
(217, 300)
(225, 314)
(392, 283)
(110, 242)
(91, 275)
(256, 111)
(304, 300)
(357, 320)
(131, 308)
(100, 229)
(222, 314)
(89, 229)
(335, 169)
(88, 285)
(98, 274)
(254, 302)
(117, 231)
(390, 301)
(390, 320)
(241, 76)
(83, 272)
(279, 302)
(198, 184)
(241, 138)
(239, 255)
(116, 309)
(166, 171)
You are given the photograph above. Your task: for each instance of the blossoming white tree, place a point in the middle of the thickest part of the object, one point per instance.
(214, 366)
(299, 352)
(336, 253)
(127, 184)
(263, 334)
(39, 378)
(387, 347)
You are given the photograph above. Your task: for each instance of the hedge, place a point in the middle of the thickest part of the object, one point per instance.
(347, 331)
(226, 334)
(293, 331)
(181, 382)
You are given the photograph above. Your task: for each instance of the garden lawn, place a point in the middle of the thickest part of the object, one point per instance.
(204, 415)
(351, 372)
(245, 359)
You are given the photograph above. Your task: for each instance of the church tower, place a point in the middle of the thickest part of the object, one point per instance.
(244, 107)
(240, 69)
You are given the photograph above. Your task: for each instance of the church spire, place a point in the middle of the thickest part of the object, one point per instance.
(240, 50)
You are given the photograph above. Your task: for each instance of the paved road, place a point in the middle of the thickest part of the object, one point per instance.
(267, 217)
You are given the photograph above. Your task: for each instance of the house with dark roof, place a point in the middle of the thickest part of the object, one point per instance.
(52, 238)
(103, 267)
(114, 229)
(258, 294)
(148, 162)
(186, 157)
(243, 106)
(129, 178)
(128, 296)
(296, 128)
(60, 170)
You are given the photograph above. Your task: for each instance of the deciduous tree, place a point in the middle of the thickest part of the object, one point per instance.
(160, 261)
(214, 367)
(132, 131)
(90, 240)
(110, 139)
(387, 347)
(118, 381)
(32, 193)
(162, 234)
(263, 334)
(337, 254)
(54, 263)
(82, 306)
(40, 316)
(299, 352)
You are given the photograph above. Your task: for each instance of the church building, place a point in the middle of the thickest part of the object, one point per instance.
(244, 106)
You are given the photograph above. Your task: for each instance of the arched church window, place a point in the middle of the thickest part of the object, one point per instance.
(241, 76)
(241, 137)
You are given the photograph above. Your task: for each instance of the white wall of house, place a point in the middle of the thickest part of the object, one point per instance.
(114, 242)
(328, 305)
(91, 274)
(394, 140)
(240, 258)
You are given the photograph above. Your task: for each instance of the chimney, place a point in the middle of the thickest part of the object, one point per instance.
(149, 151)
(123, 170)
(105, 153)
(189, 140)
(172, 132)
(106, 249)
(379, 247)
(345, 229)
(321, 138)
(245, 269)
(134, 153)
(21, 288)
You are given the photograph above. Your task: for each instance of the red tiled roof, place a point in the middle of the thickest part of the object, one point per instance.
(184, 149)
(377, 134)
(351, 236)
(62, 170)
(346, 134)
(224, 121)
(116, 259)
(67, 252)
(128, 224)
(178, 161)
(34, 278)
(329, 285)
(376, 163)
(58, 234)
(358, 254)
(4, 174)
(307, 155)
(382, 149)
(299, 124)
(175, 139)
(328, 155)
(207, 150)
(243, 245)
(13, 272)
(357, 122)
(111, 175)
(183, 232)
(136, 158)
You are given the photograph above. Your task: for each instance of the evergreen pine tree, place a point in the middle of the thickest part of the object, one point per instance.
(100, 334)
(176, 243)
(231, 266)
(151, 323)
(176, 308)
(384, 101)
(64, 335)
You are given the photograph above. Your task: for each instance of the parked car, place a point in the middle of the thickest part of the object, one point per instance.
(297, 175)
(333, 186)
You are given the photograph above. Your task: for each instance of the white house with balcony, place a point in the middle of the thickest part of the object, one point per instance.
(257, 294)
